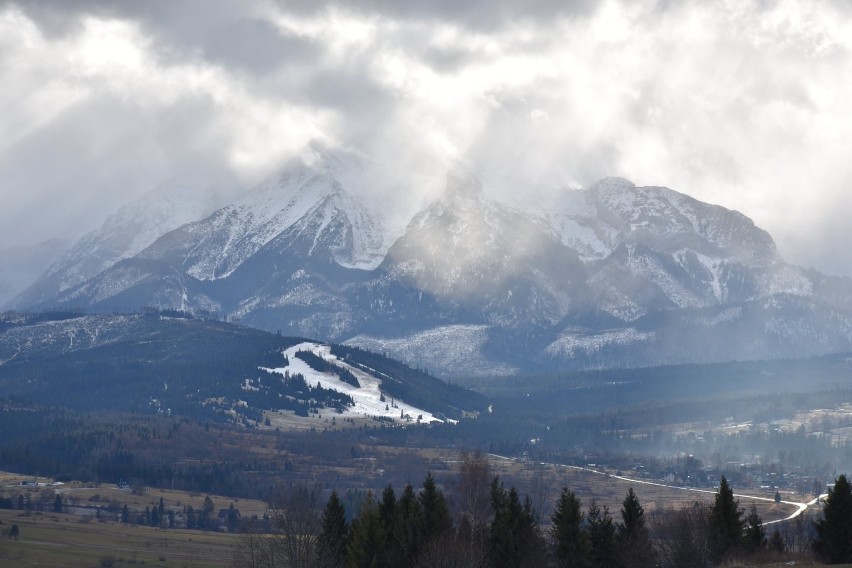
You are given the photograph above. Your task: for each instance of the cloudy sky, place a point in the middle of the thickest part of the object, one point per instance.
(744, 103)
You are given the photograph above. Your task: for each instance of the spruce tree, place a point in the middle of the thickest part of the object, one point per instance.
(833, 542)
(570, 542)
(633, 544)
(406, 540)
(776, 543)
(367, 541)
(726, 521)
(387, 508)
(435, 517)
(754, 538)
(601, 531)
(513, 538)
(333, 534)
(633, 518)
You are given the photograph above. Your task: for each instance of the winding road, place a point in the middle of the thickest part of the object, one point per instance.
(800, 507)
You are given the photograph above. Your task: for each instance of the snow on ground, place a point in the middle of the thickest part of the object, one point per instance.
(571, 345)
(367, 398)
(452, 350)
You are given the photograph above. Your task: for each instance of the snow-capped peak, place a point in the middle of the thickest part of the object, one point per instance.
(307, 188)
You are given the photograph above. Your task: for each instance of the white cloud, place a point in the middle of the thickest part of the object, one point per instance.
(742, 103)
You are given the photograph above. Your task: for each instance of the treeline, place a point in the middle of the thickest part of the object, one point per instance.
(155, 451)
(493, 526)
(414, 386)
(274, 391)
(317, 363)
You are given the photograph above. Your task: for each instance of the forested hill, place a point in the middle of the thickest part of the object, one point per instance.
(170, 363)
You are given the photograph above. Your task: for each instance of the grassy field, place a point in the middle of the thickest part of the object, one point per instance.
(64, 540)
(59, 540)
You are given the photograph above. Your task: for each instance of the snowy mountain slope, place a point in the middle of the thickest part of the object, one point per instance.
(452, 350)
(468, 248)
(215, 247)
(616, 275)
(367, 396)
(63, 336)
(187, 367)
(123, 235)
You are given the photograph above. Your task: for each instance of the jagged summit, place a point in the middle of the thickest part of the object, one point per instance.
(614, 275)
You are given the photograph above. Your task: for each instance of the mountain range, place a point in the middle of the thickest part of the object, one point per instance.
(472, 283)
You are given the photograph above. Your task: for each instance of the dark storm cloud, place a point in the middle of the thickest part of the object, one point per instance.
(483, 15)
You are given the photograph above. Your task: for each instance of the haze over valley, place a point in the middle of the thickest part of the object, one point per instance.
(427, 284)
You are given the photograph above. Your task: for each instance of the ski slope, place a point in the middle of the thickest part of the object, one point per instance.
(367, 397)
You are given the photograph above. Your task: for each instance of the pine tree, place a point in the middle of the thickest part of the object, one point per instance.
(601, 531)
(633, 543)
(513, 537)
(754, 538)
(205, 518)
(833, 542)
(233, 518)
(406, 540)
(387, 509)
(633, 518)
(776, 543)
(570, 543)
(726, 521)
(333, 534)
(367, 541)
(435, 517)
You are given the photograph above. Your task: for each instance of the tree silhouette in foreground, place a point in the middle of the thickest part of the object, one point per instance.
(601, 532)
(570, 542)
(634, 544)
(754, 538)
(833, 542)
(333, 533)
(726, 522)
(513, 540)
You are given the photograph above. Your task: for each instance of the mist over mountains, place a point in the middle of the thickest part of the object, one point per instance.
(471, 283)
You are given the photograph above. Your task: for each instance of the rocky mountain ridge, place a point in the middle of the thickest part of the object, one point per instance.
(615, 275)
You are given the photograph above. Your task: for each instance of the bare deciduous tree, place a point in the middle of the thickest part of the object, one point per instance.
(252, 550)
(452, 550)
(474, 489)
(296, 517)
(682, 537)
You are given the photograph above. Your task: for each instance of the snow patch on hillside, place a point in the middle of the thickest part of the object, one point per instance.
(786, 279)
(367, 397)
(64, 336)
(451, 350)
(572, 345)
